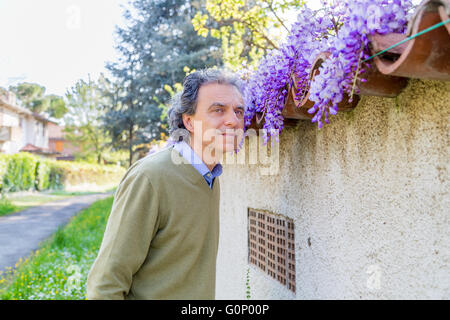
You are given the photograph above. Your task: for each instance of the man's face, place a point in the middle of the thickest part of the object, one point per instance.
(219, 115)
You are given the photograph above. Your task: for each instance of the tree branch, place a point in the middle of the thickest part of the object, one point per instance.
(276, 16)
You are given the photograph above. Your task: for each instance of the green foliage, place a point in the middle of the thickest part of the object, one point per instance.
(20, 172)
(43, 168)
(3, 166)
(6, 206)
(32, 96)
(172, 90)
(77, 173)
(116, 157)
(25, 171)
(83, 120)
(56, 106)
(157, 44)
(247, 29)
(59, 269)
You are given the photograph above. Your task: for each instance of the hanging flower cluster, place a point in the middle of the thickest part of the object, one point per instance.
(308, 36)
(267, 88)
(349, 48)
(265, 92)
(341, 28)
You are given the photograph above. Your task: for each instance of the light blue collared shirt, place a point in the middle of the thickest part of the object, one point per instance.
(186, 151)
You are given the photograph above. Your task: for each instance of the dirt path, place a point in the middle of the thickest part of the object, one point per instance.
(21, 232)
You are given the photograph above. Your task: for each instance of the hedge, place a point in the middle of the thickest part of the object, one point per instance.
(24, 171)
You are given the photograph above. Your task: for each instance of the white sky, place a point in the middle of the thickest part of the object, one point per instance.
(56, 42)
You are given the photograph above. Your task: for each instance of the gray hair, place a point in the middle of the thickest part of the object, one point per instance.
(186, 101)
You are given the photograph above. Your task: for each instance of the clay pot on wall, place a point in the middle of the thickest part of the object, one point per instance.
(257, 122)
(426, 56)
(378, 84)
(293, 109)
(298, 109)
(301, 100)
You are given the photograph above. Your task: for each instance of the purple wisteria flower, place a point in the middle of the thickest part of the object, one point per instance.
(267, 88)
(341, 28)
(360, 19)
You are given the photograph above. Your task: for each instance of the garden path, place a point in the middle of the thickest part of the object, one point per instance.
(21, 232)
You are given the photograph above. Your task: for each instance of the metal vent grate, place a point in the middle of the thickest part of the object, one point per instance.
(271, 245)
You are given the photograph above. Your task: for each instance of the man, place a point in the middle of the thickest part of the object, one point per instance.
(162, 235)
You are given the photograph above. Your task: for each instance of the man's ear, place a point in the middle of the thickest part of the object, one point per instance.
(187, 121)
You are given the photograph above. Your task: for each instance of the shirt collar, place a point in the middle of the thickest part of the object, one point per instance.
(189, 154)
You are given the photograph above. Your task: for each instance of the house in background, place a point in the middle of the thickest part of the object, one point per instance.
(58, 143)
(22, 130)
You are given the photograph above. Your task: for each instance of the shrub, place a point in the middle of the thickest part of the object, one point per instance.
(3, 164)
(56, 177)
(24, 171)
(6, 206)
(43, 168)
(20, 172)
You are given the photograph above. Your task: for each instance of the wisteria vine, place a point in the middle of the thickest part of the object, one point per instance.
(341, 28)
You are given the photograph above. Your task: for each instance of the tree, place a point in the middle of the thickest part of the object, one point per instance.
(126, 120)
(32, 96)
(155, 47)
(86, 103)
(56, 106)
(247, 28)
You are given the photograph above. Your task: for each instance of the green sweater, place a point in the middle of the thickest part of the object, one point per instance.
(162, 235)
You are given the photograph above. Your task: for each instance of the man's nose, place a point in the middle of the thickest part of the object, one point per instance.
(232, 119)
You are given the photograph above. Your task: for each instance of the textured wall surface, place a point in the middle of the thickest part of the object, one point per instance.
(371, 193)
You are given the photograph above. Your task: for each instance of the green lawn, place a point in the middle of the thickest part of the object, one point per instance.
(7, 207)
(58, 269)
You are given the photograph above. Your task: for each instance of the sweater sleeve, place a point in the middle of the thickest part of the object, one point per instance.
(131, 225)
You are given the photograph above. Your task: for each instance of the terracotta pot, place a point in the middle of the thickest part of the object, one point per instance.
(444, 16)
(257, 122)
(305, 102)
(426, 56)
(378, 84)
(290, 123)
(298, 109)
(259, 117)
(292, 110)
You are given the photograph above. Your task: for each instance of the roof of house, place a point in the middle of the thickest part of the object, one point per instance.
(9, 101)
(34, 149)
(30, 148)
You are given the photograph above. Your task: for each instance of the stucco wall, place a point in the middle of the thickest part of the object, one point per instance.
(371, 192)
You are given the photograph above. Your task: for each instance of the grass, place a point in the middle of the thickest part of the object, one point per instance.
(58, 269)
(7, 207)
(12, 202)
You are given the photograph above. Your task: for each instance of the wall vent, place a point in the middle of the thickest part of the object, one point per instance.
(271, 245)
